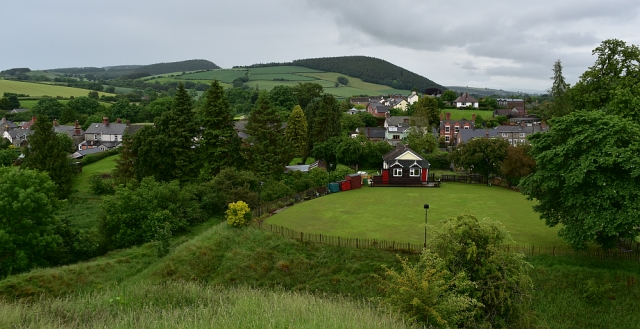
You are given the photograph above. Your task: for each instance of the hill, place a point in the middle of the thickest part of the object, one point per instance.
(152, 69)
(41, 89)
(489, 92)
(370, 69)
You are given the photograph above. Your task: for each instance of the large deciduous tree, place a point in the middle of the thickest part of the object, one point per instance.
(518, 163)
(304, 92)
(612, 84)
(49, 107)
(588, 178)
(484, 155)
(267, 151)
(220, 145)
(46, 152)
(27, 221)
(425, 112)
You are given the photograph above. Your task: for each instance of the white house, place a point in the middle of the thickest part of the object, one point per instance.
(466, 101)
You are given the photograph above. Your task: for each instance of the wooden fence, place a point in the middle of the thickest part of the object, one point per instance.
(268, 207)
(415, 248)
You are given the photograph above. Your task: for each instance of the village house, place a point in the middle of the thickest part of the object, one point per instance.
(397, 128)
(449, 129)
(510, 102)
(374, 134)
(75, 132)
(518, 134)
(466, 101)
(378, 110)
(413, 98)
(403, 166)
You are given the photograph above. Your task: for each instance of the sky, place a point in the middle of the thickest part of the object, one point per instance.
(510, 45)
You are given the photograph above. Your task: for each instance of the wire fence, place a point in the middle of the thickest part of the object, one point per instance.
(408, 247)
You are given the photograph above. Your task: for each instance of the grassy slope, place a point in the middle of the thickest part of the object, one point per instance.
(397, 213)
(30, 103)
(37, 89)
(190, 305)
(106, 165)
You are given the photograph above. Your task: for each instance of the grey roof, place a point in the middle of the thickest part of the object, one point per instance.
(465, 98)
(15, 133)
(469, 134)
(108, 129)
(509, 100)
(380, 108)
(69, 130)
(373, 132)
(4, 122)
(398, 121)
(19, 110)
(83, 153)
(398, 151)
(521, 129)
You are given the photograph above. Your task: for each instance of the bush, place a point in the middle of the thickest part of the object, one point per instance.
(132, 215)
(438, 160)
(89, 159)
(99, 184)
(238, 214)
(340, 172)
(465, 279)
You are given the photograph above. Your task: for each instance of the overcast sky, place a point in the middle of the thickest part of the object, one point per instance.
(502, 44)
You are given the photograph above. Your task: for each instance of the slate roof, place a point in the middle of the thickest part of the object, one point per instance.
(373, 132)
(380, 108)
(398, 151)
(398, 121)
(69, 130)
(520, 129)
(465, 98)
(466, 135)
(19, 111)
(14, 133)
(108, 129)
(6, 123)
(82, 153)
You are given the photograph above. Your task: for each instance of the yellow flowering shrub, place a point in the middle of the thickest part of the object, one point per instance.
(238, 214)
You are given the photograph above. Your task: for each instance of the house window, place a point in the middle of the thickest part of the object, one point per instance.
(447, 129)
(510, 141)
(466, 127)
(397, 172)
(446, 139)
(414, 172)
(396, 136)
(95, 137)
(521, 134)
(456, 129)
(522, 141)
(504, 134)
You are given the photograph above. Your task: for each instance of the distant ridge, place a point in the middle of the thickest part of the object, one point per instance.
(153, 69)
(368, 69)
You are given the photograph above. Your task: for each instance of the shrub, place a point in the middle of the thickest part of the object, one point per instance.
(132, 215)
(100, 184)
(89, 159)
(238, 214)
(438, 160)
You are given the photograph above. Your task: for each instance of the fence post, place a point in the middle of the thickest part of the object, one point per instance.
(338, 241)
(301, 237)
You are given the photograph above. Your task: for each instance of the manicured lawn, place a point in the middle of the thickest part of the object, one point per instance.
(395, 213)
(466, 114)
(105, 165)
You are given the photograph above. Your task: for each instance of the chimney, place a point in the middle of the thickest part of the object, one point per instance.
(76, 130)
(118, 120)
(448, 115)
(487, 134)
(406, 120)
(55, 122)
(128, 123)
(473, 118)
(33, 118)
(105, 121)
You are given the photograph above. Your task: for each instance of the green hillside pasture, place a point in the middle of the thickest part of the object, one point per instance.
(281, 70)
(270, 84)
(397, 214)
(106, 165)
(48, 74)
(285, 76)
(222, 75)
(372, 88)
(30, 103)
(38, 90)
(192, 305)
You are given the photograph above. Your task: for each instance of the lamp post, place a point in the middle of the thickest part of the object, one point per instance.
(488, 170)
(426, 216)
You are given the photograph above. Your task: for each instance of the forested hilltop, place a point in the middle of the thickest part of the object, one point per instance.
(152, 69)
(368, 69)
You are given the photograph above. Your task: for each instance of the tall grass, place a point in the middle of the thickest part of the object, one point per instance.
(192, 305)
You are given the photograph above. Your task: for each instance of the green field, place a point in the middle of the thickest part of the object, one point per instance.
(30, 103)
(81, 183)
(38, 90)
(466, 114)
(397, 214)
(283, 76)
(222, 75)
(281, 69)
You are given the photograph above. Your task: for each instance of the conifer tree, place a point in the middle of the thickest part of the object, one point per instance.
(296, 134)
(46, 153)
(167, 151)
(220, 145)
(124, 172)
(266, 138)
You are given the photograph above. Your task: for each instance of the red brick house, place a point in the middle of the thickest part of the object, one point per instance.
(449, 129)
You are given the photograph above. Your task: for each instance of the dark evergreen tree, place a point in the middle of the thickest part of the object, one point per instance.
(266, 138)
(124, 173)
(167, 151)
(220, 145)
(323, 118)
(14, 103)
(46, 153)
